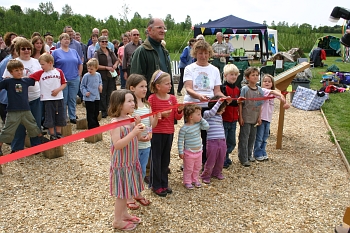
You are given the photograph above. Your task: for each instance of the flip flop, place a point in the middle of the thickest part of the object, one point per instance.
(132, 206)
(143, 201)
(129, 226)
(134, 220)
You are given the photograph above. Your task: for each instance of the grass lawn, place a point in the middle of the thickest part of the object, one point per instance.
(336, 108)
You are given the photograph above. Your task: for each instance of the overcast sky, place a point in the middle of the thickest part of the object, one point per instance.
(315, 13)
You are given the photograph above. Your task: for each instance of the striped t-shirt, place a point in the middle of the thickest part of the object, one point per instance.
(147, 122)
(216, 127)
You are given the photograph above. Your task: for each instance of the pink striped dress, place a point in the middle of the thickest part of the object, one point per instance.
(125, 171)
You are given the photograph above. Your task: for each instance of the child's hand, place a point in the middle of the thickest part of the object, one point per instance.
(137, 119)
(181, 107)
(159, 115)
(258, 122)
(286, 106)
(241, 121)
(283, 99)
(240, 100)
(144, 138)
(181, 156)
(139, 128)
(54, 92)
(165, 114)
(227, 98)
(87, 94)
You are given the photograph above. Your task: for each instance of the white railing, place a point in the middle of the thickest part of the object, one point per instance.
(175, 68)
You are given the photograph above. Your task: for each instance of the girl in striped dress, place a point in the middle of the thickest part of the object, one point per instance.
(125, 169)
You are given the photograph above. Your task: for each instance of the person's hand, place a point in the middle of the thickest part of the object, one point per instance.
(240, 100)
(181, 156)
(55, 92)
(241, 121)
(283, 99)
(138, 129)
(286, 106)
(180, 108)
(87, 94)
(203, 98)
(165, 114)
(259, 121)
(137, 119)
(144, 138)
(159, 115)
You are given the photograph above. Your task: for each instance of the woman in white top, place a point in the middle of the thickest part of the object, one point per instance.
(31, 65)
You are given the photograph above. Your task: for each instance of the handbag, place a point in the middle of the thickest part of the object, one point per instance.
(308, 99)
(223, 59)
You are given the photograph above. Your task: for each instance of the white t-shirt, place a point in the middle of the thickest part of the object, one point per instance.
(49, 81)
(30, 67)
(204, 79)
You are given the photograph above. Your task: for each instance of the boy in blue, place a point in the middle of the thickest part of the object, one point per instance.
(18, 110)
(249, 116)
(91, 87)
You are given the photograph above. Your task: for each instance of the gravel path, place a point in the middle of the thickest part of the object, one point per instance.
(302, 188)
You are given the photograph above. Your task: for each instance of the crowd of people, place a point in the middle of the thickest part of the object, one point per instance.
(47, 78)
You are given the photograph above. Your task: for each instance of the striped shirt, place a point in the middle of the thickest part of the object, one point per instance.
(216, 127)
(190, 136)
(147, 122)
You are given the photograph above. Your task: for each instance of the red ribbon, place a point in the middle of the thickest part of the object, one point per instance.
(87, 133)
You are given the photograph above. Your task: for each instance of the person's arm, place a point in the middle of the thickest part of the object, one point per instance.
(189, 89)
(120, 143)
(217, 91)
(279, 94)
(180, 142)
(204, 124)
(211, 112)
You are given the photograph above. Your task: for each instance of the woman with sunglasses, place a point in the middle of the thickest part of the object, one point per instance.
(69, 61)
(24, 50)
(108, 63)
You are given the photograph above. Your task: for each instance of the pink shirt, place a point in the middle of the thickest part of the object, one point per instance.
(267, 107)
(121, 54)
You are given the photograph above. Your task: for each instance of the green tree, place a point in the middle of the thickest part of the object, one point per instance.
(17, 9)
(46, 8)
(169, 22)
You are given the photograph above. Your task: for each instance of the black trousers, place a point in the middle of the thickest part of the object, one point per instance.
(108, 87)
(204, 141)
(92, 111)
(181, 81)
(160, 159)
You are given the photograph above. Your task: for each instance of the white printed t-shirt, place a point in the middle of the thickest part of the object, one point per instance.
(204, 79)
(49, 81)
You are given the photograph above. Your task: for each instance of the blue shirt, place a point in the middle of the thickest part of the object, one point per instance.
(90, 83)
(110, 46)
(17, 93)
(73, 45)
(3, 65)
(68, 62)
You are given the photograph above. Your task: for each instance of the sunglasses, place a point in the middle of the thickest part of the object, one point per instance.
(135, 34)
(24, 49)
(104, 41)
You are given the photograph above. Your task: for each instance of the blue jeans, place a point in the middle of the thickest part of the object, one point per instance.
(262, 134)
(122, 80)
(70, 97)
(20, 135)
(230, 135)
(143, 158)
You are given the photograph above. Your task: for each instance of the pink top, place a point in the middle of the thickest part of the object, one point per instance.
(267, 107)
(121, 54)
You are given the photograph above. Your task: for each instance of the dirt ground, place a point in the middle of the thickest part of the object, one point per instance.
(304, 187)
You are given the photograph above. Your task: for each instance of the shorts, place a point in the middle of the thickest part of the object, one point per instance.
(54, 113)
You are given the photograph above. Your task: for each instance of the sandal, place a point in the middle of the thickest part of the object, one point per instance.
(132, 206)
(129, 226)
(134, 220)
(143, 201)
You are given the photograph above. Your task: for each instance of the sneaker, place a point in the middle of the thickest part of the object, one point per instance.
(197, 184)
(43, 139)
(146, 179)
(251, 159)
(179, 93)
(260, 158)
(182, 167)
(1, 154)
(246, 164)
(266, 157)
(160, 192)
(220, 177)
(226, 165)
(206, 181)
(59, 136)
(53, 137)
(168, 190)
(189, 186)
(229, 161)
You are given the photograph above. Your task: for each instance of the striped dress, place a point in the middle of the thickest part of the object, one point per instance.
(125, 170)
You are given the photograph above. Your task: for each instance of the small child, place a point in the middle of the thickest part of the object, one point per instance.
(125, 169)
(91, 87)
(249, 116)
(18, 110)
(52, 82)
(262, 131)
(190, 144)
(138, 85)
(230, 116)
(163, 133)
(216, 142)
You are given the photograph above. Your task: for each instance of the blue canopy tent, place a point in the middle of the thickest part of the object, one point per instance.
(234, 25)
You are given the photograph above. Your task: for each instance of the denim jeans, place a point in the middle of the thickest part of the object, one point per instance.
(230, 135)
(20, 135)
(262, 134)
(70, 97)
(143, 158)
(122, 80)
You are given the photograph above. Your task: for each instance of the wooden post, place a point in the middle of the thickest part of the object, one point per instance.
(54, 152)
(280, 126)
(67, 130)
(99, 116)
(82, 124)
(94, 138)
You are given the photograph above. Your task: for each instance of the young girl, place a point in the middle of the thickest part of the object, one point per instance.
(91, 87)
(163, 133)
(190, 144)
(125, 170)
(138, 85)
(262, 131)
